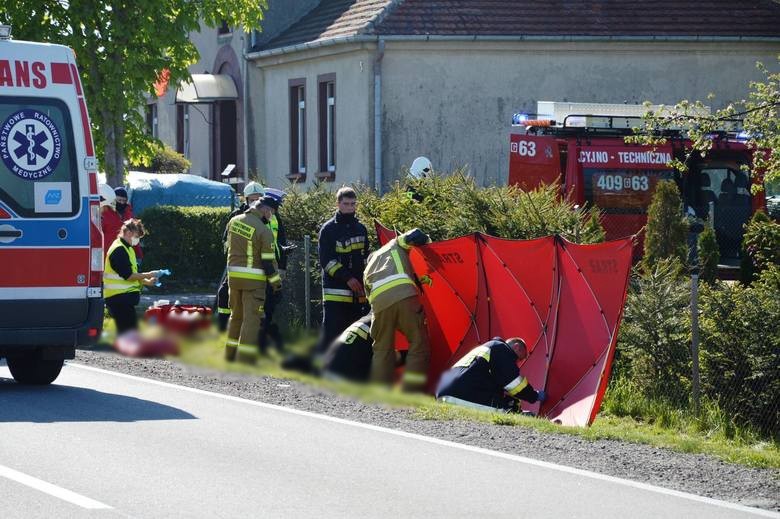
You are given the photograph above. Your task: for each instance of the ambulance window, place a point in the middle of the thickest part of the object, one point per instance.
(622, 191)
(38, 167)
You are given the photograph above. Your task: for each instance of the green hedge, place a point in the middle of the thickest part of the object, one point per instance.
(186, 240)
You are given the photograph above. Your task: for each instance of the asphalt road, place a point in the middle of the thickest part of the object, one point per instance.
(100, 444)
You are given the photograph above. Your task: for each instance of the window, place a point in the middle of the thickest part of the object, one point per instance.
(298, 128)
(327, 123)
(151, 119)
(39, 170)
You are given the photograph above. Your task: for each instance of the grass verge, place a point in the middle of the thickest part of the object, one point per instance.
(625, 416)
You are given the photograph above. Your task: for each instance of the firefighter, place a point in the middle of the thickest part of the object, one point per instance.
(343, 249)
(252, 192)
(420, 168)
(488, 378)
(272, 299)
(349, 355)
(393, 294)
(251, 264)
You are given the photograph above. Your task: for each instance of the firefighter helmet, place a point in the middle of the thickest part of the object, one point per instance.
(253, 189)
(107, 195)
(421, 168)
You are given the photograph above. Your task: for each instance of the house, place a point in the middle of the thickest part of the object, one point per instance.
(349, 91)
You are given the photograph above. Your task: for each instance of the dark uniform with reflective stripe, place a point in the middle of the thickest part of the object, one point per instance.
(343, 249)
(487, 375)
(349, 356)
(272, 298)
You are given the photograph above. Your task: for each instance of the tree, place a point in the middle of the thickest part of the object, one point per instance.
(667, 230)
(123, 47)
(758, 115)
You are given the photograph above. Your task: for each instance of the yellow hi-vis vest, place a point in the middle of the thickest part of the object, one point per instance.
(113, 283)
(388, 275)
(274, 226)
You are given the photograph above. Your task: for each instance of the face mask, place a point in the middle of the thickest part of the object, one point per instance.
(135, 240)
(121, 207)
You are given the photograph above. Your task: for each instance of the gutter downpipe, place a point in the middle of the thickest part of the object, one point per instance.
(245, 103)
(380, 53)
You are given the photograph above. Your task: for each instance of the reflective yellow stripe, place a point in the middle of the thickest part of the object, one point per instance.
(516, 386)
(349, 248)
(414, 377)
(231, 342)
(402, 243)
(388, 286)
(399, 267)
(480, 351)
(246, 275)
(340, 299)
(223, 310)
(249, 253)
(268, 256)
(247, 348)
(275, 278)
(332, 267)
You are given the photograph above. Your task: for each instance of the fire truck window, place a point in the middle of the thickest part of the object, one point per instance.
(621, 191)
(38, 167)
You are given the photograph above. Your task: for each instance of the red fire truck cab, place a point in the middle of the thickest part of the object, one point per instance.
(595, 166)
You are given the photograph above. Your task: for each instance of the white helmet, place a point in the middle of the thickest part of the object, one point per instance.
(107, 195)
(253, 188)
(421, 168)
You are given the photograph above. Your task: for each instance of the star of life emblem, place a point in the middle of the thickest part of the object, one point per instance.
(30, 144)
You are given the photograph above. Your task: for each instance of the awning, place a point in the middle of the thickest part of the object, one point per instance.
(207, 88)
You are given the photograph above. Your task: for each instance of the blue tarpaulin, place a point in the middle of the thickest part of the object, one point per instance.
(179, 189)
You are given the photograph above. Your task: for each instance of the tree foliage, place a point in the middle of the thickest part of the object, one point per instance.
(667, 230)
(709, 255)
(123, 48)
(760, 246)
(758, 115)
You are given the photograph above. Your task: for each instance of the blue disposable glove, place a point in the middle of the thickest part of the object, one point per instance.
(158, 274)
(541, 396)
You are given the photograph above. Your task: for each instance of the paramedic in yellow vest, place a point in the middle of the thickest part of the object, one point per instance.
(121, 281)
(392, 291)
(251, 264)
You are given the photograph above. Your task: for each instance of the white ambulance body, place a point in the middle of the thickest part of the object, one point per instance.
(51, 254)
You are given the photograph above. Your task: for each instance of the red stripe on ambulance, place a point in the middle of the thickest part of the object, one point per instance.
(33, 267)
(60, 74)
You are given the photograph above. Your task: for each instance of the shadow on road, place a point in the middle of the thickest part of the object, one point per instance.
(48, 404)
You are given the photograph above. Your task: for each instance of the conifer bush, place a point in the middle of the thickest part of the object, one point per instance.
(709, 255)
(667, 230)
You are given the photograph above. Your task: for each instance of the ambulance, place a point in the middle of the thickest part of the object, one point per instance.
(51, 245)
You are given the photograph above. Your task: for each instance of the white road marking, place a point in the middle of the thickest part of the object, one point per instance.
(52, 490)
(479, 450)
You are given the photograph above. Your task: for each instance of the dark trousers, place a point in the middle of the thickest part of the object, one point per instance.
(271, 330)
(336, 317)
(223, 303)
(122, 309)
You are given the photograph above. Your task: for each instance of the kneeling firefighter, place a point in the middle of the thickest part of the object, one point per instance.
(392, 291)
(488, 378)
(251, 264)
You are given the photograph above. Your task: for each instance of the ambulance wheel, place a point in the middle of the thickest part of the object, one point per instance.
(31, 369)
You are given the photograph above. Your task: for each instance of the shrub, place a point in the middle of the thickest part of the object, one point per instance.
(652, 348)
(740, 350)
(709, 255)
(760, 246)
(667, 231)
(186, 240)
(165, 160)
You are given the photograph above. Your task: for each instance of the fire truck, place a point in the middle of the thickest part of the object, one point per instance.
(582, 147)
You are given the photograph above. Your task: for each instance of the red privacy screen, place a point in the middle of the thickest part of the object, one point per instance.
(565, 300)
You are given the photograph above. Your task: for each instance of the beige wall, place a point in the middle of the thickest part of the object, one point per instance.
(453, 101)
(200, 148)
(269, 89)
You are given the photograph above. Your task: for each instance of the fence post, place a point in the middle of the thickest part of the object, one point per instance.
(695, 339)
(307, 276)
